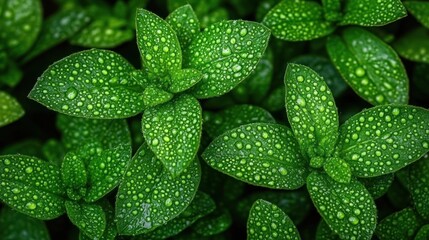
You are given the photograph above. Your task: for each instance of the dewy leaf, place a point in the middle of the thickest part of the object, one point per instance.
(158, 44)
(298, 20)
(217, 123)
(200, 206)
(399, 225)
(149, 196)
(216, 222)
(369, 66)
(418, 182)
(372, 13)
(20, 23)
(89, 218)
(423, 233)
(267, 221)
(262, 154)
(420, 10)
(414, 45)
(225, 53)
(17, 226)
(110, 232)
(74, 176)
(384, 139)
(153, 96)
(31, 186)
(311, 110)
(332, 10)
(173, 131)
(184, 79)
(93, 84)
(378, 186)
(338, 169)
(348, 209)
(58, 28)
(10, 109)
(185, 23)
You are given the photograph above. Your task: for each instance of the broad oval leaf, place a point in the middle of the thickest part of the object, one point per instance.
(31, 186)
(399, 225)
(384, 139)
(173, 131)
(348, 209)
(20, 23)
(93, 84)
(378, 186)
(217, 123)
(267, 221)
(158, 44)
(420, 10)
(370, 66)
(149, 196)
(89, 218)
(185, 23)
(262, 154)
(419, 186)
(225, 53)
(18, 226)
(10, 109)
(372, 13)
(298, 20)
(414, 45)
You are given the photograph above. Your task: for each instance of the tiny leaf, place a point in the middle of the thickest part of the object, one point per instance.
(31, 186)
(399, 225)
(225, 53)
(298, 20)
(262, 154)
(419, 182)
(348, 209)
(267, 221)
(384, 139)
(153, 96)
(420, 10)
(89, 218)
(370, 66)
(74, 176)
(338, 169)
(93, 84)
(311, 110)
(185, 23)
(10, 109)
(158, 44)
(372, 13)
(184, 79)
(173, 131)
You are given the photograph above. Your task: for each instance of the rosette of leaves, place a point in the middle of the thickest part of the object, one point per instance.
(180, 65)
(301, 20)
(319, 153)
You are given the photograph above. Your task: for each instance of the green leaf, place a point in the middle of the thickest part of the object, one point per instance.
(93, 84)
(419, 182)
(423, 233)
(217, 123)
(378, 186)
(413, 45)
(185, 23)
(217, 222)
(104, 32)
(262, 154)
(200, 206)
(110, 232)
(370, 66)
(53, 151)
(173, 131)
(74, 176)
(149, 196)
(275, 101)
(323, 232)
(399, 225)
(20, 23)
(58, 28)
(215, 16)
(31, 186)
(17, 226)
(267, 221)
(323, 66)
(384, 139)
(338, 169)
(184, 79)
(158, 44)
(153, 96)
(420, 10)
(11, 75)
(311, 110)
(298, 20)
(372, 13)
(348, 209)
(332, 10)
(10, 110)
(89, 218)
(225, 53)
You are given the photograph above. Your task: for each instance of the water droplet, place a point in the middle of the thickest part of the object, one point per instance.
(236, 68)
(300, 78)
(226, 51)
(31, 206)
(155, 142)
(243, 32)
(340, 215)
(168, 202)
(71, 93)
(353, 220)
(6, 162)
(29, 170)
(360, 72)
(379, 98)
(148, 57)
